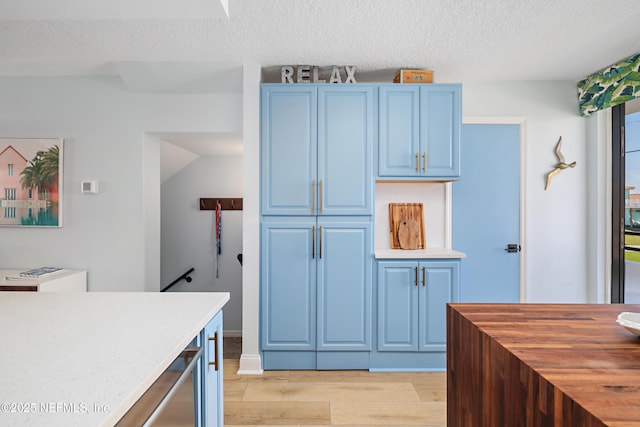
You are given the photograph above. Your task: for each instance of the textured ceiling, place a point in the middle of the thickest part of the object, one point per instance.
(462, 40)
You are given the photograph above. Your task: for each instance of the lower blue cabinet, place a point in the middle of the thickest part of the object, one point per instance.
(411, 313)
(316, 293)
(211, 410)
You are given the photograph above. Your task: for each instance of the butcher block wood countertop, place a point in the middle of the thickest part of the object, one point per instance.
(541, 365)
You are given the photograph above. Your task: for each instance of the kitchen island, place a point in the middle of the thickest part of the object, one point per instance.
(84, 359)
(541, 365)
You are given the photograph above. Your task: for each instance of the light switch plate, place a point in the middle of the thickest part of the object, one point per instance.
(89, 187)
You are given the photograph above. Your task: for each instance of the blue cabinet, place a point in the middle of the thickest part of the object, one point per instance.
(316, 149)
(316, 291)
(208, 386)
(288, 284)
(344, 265)
(419, 131)
(412, 298)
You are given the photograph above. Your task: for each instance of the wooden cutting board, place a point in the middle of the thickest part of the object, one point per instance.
(406, 226)
(408, 234)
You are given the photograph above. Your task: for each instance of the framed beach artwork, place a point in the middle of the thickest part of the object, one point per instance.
(31, 182)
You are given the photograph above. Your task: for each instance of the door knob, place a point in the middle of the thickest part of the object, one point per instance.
(512, 248)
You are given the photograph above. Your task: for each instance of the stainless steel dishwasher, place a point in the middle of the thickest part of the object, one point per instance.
(172, 398)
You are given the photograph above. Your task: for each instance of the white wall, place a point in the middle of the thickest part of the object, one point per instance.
(435, 207)
(556, 230)
(188, 234)
(104, 128)
(250, 359)
(150, 213)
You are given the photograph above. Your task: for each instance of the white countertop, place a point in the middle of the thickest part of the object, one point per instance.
(435, 253)
(83, 359)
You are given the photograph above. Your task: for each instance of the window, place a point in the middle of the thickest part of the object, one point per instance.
(9, 212)
(625, 279)
(10, 169)
(9, 193)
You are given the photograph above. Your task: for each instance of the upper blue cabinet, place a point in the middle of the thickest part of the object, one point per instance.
(316, 149)
(419, 131)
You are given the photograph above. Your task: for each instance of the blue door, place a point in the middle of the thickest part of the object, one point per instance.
(345, 150)
(438, 286)
(398, 283)
(344, 285)
(288, 149)
(212, 378)
(440, 118)
(288, 277)
(486, 213)
(399, 131)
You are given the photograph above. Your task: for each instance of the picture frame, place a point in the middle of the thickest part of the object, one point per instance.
(31, 182)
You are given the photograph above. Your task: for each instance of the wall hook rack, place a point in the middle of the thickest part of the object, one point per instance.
(227, 204)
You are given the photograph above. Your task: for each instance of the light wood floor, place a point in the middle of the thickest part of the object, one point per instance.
(334, 398)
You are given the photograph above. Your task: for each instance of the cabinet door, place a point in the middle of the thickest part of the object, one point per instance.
(212, 378)
(288, 149)
(344, 285)
(288, 290)
(440, 121)
(345, 144)
(397, 306)
(399, 131)
(439, 284)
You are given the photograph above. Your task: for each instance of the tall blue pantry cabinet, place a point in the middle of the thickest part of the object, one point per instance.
(317, 145)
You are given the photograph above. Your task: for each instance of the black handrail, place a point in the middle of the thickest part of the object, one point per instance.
(184, 276)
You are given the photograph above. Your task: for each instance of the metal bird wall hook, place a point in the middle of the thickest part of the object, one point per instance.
(561, 165)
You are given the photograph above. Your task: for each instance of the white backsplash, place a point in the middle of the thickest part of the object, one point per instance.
(435, 197)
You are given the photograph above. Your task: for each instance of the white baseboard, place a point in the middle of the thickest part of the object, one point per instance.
(250, 365)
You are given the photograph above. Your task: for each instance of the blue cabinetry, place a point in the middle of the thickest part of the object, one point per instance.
(411, 312)
(288, 284)
(317, 147)
(317, 175)
(419, 131)
(317, 150)
(316, 292)
(209, 377)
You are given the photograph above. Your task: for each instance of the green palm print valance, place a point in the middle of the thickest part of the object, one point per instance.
(614, 85)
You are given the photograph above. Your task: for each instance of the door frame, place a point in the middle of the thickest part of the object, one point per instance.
(522, 122)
